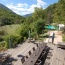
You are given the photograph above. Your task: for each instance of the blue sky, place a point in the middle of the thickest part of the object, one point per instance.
(24, 7)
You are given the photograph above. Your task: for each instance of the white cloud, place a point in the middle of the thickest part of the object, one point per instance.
(24, 8)
(41, 3)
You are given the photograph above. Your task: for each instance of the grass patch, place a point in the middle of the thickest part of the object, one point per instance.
(8, 32)
(42, 37)
(11, 29)
(63, 38)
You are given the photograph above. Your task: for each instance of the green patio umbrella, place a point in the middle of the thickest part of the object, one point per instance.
(50, 27)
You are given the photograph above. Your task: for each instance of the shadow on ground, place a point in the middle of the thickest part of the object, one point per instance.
(9, 61)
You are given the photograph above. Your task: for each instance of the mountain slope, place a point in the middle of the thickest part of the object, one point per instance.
(7, 16)
(5, 8)
(28, 15)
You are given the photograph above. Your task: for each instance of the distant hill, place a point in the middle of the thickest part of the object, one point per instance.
(5, 8)
(7, 16)
(28, 15)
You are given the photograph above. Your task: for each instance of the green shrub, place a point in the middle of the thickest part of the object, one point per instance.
(3, 44)
(45, 31)
(6, 38)
(63, 30)
(34, 35)
(63, 38)
(13, 40)
(1, 38)
(24, 30)
(2, 32)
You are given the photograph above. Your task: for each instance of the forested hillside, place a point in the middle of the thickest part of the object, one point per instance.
(8, 17)
(59, 12)
(56, 12)
(4, 7)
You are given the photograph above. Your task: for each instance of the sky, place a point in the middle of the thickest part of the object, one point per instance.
(23, 7)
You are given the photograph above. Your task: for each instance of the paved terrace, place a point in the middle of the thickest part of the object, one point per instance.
(56, 56)
(22, 50)
(58, 37)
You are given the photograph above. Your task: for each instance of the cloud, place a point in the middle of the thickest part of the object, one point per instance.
(24, 8)
(41, 3)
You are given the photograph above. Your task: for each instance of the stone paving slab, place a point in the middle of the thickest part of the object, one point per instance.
(58, 55)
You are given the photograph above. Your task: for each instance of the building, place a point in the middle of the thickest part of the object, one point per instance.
(60, 26)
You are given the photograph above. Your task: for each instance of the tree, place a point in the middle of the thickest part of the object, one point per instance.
(49, 11)
(38, 13)
(6, 21)
(24, 30)
(59, 12)
(29, 20)
(39, 25)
